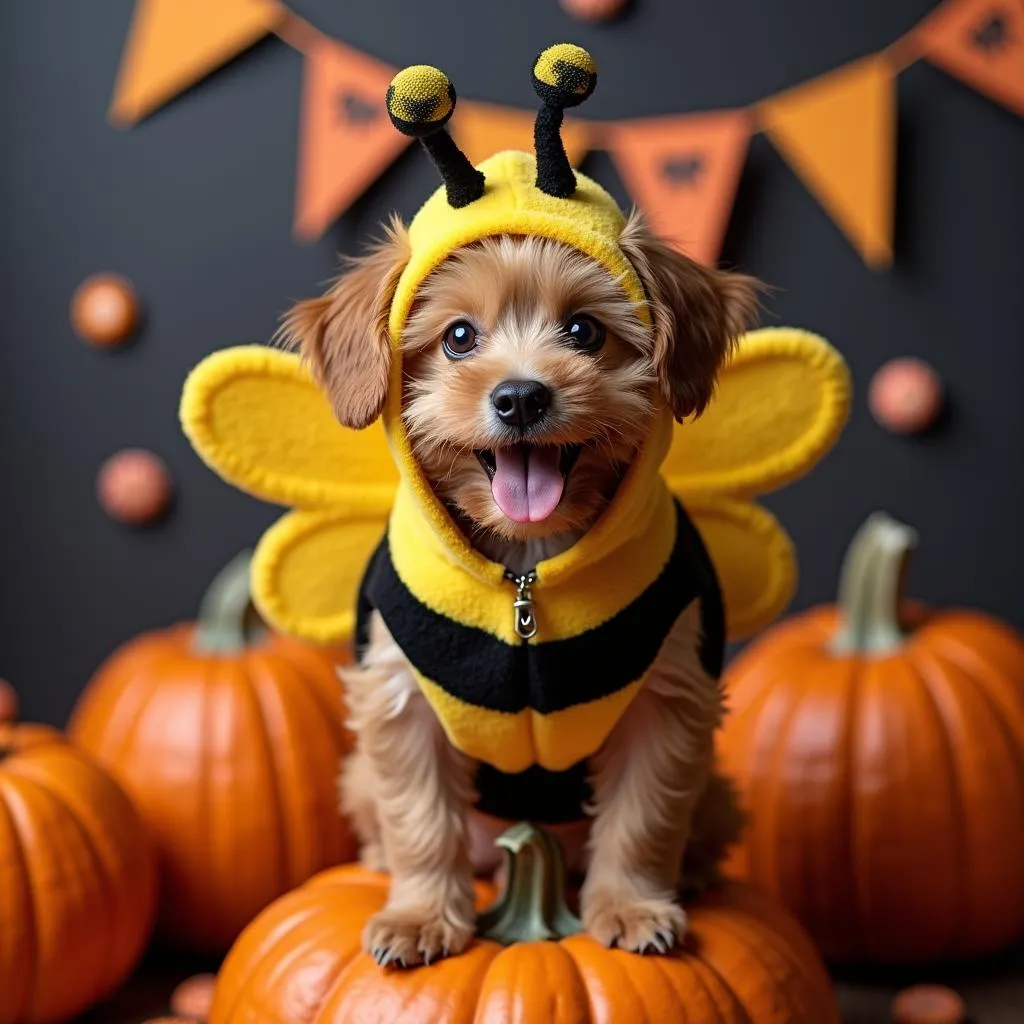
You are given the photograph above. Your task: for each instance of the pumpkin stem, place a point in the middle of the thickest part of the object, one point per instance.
(871, 587)
(227, 621)
(531, 906)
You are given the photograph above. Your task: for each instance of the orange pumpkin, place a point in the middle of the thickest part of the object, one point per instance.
(879, 747)
(229, 739)
(78, 879)
(745, 959)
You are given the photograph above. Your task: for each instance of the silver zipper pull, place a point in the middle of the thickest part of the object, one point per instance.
(522, 606)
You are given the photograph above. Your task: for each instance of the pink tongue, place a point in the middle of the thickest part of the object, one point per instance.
(527, 483)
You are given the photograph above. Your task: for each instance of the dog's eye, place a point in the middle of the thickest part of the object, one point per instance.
(584, 333)
(459, 339)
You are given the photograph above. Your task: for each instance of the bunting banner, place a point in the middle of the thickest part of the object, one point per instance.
(172, 44)
(837, 132)
(683, 173)
(346, 140)
(481, 129)
(981, 42)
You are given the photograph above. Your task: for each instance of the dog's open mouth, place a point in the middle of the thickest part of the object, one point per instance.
(527, 481)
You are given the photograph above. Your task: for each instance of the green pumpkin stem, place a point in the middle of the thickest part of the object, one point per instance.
(871, 588)
(531, 906)
(227, 621)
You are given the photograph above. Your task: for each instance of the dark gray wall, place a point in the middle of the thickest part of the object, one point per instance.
(195, 207)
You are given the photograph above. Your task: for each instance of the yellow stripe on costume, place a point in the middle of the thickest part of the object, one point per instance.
(514, 742)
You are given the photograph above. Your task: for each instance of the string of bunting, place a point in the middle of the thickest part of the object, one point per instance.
(837, 131)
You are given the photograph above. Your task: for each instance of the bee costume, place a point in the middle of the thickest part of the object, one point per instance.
(528, 675)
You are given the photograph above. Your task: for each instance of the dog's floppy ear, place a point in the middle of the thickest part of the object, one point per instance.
(698, 314)
(344, 333)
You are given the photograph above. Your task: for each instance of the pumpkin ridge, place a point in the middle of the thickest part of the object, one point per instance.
(774, 783)
(140, 688)
(295, 918)
(302, 665)
(273, 674)
(669, 968)
(982, 674)
(1013, 754)
(753, 904)
(854, 896)
(97, 863)
(919, 660)
(758, 940)
(254, 694)
(584, 944)
(22, 844)
(340, 974)
(701, 971)
(979, 675)
(736, 1005)
(21, 855)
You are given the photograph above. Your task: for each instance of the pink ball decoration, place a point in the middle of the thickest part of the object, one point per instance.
(594, 10)
(905, 396)
(134, 487)
(105, 310)
(8, 702)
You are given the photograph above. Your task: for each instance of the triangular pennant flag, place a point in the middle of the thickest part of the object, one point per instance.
(683, 172)
(482, 129)
(172, 44)
(980, 42)
(346, 138)
(838, 132)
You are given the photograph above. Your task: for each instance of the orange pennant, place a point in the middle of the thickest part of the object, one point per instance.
(980, 42)
(838, 132)
(481, 130)
(683, 172)
(346, 138)
(172, 44)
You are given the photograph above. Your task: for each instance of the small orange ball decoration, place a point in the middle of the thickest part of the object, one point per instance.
(744, 959)
(8, 702)
(193, 998)
(105, 310)
(134, 486)
(594, 10)
(78, 879)
(905, 396)
(928, 1004)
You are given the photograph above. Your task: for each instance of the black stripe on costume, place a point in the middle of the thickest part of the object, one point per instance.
(548, 798)
(481, 670)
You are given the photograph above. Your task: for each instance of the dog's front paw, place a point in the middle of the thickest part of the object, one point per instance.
(406, 938)
(632, 923)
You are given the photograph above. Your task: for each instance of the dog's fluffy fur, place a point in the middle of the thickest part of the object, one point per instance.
(407, 790)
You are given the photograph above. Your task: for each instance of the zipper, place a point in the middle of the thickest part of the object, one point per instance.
(522, 607)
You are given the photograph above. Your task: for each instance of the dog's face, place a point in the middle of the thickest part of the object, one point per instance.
(530, 382)
(529, 385)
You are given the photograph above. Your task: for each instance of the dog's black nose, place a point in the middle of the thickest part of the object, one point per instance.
(519, 403)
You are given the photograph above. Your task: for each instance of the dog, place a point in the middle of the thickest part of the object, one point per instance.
(529, 385)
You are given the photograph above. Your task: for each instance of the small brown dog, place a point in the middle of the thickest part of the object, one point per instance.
(497, 310)
(528, 347)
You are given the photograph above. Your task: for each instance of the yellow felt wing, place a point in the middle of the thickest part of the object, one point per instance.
(782, 402)
(306, 571)
(258, 419)
(753, 556)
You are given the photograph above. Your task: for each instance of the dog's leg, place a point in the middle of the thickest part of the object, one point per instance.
(718, 823)
(647, 780)
(423, 791)
(357, 795)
